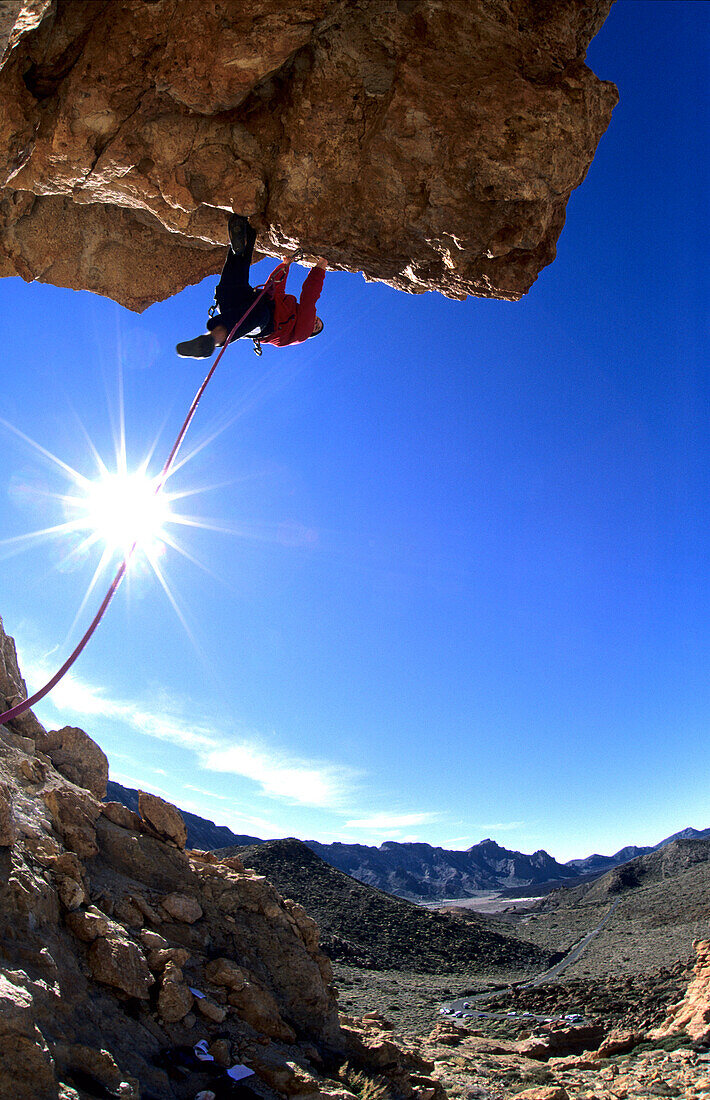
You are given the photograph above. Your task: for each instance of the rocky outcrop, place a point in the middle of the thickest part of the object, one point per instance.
(431, 144)
(77, 757)
(692, 1014)
(13, 689)
(120, 951)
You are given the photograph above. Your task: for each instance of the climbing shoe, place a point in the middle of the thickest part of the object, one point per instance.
(238, 226)
(199, 348)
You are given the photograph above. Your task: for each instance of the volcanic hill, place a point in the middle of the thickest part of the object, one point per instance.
(365, 927)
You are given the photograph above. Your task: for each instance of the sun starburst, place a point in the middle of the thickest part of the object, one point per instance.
(126, 511)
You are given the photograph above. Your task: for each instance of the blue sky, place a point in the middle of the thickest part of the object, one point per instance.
(460, 584)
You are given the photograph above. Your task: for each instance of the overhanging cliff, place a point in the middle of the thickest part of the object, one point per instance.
(431, 144)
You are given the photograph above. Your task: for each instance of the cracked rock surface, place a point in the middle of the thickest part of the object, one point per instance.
(431, 144)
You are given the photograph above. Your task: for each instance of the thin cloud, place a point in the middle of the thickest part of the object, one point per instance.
(282, 777)
(277, 775)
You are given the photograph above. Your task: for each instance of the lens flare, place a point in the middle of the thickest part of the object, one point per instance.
(123, 510)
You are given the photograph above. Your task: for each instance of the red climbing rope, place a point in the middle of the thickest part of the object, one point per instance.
(20, 708)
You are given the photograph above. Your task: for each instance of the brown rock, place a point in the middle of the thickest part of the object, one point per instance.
(210, 1010)
(127, 912)
(143, 859)
(7, 820)
(226, 973)
(87, 925)
(25, 1059)
(119, 962)
(73, 815)
(159, 959)
(221, 1052)
(305, 924)
(234, 862)
(174, 1001)
(562, 1040)
(121, 815)
(13, 689)
(544, 1092)
(149, 913)
(100, 1065)
(692, 1015)
(432, 145)
(77, 757)
(34, 771)
(71, 893)
(619, 1042)
(152, 940)
(165, 818)
(257, 1007)
(182, 908)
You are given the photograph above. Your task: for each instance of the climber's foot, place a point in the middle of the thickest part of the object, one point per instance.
(199, 348)
(237, 226)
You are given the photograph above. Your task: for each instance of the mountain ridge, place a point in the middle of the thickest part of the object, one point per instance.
(421, 872)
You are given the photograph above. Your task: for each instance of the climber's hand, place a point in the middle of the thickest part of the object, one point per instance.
(322, 263)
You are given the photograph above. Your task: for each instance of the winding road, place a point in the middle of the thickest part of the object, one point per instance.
(546, 976)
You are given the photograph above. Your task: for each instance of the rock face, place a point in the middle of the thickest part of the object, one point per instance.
(117, 947)
(431, 144)
(692, 1014)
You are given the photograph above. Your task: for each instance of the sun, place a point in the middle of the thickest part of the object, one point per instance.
(125, 512)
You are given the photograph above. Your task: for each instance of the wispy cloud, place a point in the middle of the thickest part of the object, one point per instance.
(279, 776)
(276, 774)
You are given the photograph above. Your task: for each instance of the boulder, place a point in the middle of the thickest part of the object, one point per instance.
(73, 816)
(182, 908)
(117, 961)
(174, 1001)
(121, 815)
(210, 1010)
(619, 1041)
(88, 924)
(159, 959)
(254, 1004)
(71, 893)
(76, 757)
(162, 816)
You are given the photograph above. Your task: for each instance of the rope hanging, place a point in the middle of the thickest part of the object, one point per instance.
(21, 707)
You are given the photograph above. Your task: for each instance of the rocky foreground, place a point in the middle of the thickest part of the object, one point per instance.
(431, 144)
(120, 950)
(121, 953)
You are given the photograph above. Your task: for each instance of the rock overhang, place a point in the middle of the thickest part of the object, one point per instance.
(428, 144)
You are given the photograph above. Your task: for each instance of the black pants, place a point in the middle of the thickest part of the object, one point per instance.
(234, 296)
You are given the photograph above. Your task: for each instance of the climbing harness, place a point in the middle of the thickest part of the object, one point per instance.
(279, 272)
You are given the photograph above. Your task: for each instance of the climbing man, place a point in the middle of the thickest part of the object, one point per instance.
(276, 319)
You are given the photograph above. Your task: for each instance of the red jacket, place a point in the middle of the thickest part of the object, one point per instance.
(294, 321)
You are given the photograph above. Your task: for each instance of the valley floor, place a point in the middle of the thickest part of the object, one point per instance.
(631, 972)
